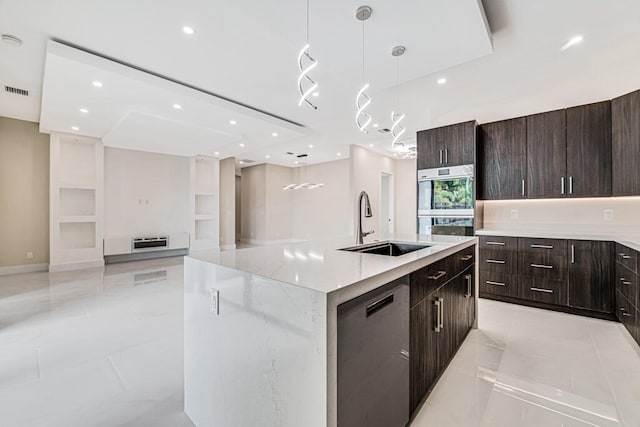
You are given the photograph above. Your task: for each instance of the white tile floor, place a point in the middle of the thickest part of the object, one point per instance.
(105, 349)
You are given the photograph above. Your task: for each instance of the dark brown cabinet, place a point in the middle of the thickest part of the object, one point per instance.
(589, 150)
(439, 319)
(625, 143)
(590, 274)
(447, 146)
(546, 155)
(503, 160)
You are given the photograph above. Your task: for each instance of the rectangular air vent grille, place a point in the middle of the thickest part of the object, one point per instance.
(385, 130)
(16, 91)
(247, 161)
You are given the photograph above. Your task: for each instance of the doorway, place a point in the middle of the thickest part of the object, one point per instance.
(386, 203)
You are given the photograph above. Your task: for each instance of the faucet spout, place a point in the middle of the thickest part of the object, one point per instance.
(367, 213)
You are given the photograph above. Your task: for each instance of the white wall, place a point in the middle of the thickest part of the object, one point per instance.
(565, 214)
(228, 202)
(406, 206)
(145, 193)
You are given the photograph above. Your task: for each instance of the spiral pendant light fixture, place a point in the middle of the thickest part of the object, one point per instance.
(363, 118)
(397, 130)
(306, 63)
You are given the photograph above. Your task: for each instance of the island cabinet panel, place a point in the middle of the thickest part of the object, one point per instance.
(503, 160)
(591, 271)
(451, 145)
(440, 317)
(589, 150)
(625, 143)
(546, 155)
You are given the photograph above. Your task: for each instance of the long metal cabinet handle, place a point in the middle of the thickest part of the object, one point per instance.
(570, 185)
(437, 276)
(489, 282)
(573, 254)
(441, 313)
(548, 267)
(446, 156)
(496, 243)
(546, 291)
(379, 304)
(440, 156)
(624, 256)
(496, 261)
(438, 310)
(541, 246)
(624, 281)
(466, 258)
(468, 279)
(523, 186)
(562, 185)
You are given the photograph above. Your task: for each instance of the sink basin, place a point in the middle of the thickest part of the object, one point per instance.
(387, 248)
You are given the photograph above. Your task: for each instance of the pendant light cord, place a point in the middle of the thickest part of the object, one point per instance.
(307, 21)
(362, 52)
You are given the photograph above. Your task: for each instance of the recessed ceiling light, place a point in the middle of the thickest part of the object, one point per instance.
(84, 110)
(11, 40)
(310, 145)
(395, 154)
(216, 153)
(370, 145)
(442, 81)
(315, 94)
(75, 128)
(241, 144)
(268, 156)
(296, 162)
(339, 154)
(241, 162)
(188, 30)
(96, 83)
(574, 41)
(232, 122)
(274, 134)
(375, 125)
(177, 106)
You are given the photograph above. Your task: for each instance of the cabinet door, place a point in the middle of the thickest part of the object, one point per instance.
(589, 150)
(625, 132)
(459, 142)
(546, 155)
(429, 146)
(426, 339)
(503, 160)
(591, 268)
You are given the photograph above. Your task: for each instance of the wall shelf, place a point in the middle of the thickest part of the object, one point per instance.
(205, 202)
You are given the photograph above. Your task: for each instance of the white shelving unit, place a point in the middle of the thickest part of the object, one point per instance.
(75, 202)
(205, 203)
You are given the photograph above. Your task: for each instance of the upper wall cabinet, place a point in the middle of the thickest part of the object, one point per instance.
(503, 158)
(589, 150)
(625, 123)
(546, 155)
(447, 146)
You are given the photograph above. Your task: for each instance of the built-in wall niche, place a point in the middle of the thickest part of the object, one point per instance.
(206, 229)
(205, 204)
(77, 235)
(77, 202)
(77, 162)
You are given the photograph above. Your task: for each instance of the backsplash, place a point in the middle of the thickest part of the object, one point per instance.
(594, 215)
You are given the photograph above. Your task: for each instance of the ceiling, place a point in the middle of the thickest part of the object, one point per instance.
(245, 50)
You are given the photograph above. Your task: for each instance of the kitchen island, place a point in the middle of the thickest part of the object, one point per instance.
(261, 328)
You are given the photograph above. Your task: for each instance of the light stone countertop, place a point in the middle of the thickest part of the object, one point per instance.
(319, 265)
(631, 241)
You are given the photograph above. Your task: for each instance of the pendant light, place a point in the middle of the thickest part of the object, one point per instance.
(306, 63)
(397, 130)
(363, 118)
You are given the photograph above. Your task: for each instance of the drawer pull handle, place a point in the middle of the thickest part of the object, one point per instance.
(466, 257)
(625, 256)
(378, 305)
(548, 267)
(496, 261)
(626, 314)
(469, 292)
(489, 282)
(542, 246)
(496, 243)
(624, 282)
(437, 276)
(546, 291)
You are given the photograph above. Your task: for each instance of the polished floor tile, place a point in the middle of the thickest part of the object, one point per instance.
(105, 348)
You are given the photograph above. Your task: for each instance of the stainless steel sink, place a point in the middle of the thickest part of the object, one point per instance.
(388, 248)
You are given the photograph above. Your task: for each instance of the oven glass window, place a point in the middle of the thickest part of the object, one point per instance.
(451, 194)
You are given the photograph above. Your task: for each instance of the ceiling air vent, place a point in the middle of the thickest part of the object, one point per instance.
(16, 91)
(300, 156)
(385, 130)
(289, 153)
(247, 161)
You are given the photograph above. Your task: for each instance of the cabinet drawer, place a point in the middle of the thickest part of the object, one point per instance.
(543, 290)
(464, 258)
(498, 284)
(499, 261)
(496, 243)
(627, 257)
(542, 265)
(427, 280)
(543, 246)
(626, 313)
(627, 283)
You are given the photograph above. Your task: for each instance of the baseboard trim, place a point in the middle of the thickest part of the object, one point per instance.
(53, 268)
(25, 268)
(112, 259)
(228, 247)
